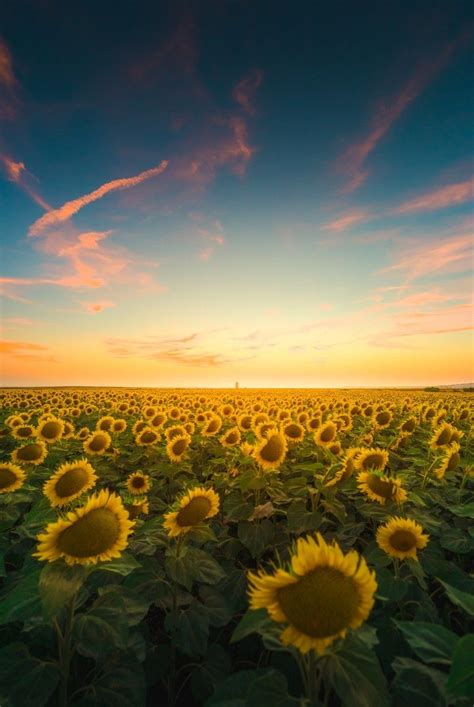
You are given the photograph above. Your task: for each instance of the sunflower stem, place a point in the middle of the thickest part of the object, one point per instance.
(64, 651)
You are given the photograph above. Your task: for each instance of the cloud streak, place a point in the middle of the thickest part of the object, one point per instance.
(443, 197)
(244, 91)
(67, 210)
(351, 163)
(18, 174)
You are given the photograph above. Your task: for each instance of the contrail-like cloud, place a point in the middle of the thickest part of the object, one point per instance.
(64, 212)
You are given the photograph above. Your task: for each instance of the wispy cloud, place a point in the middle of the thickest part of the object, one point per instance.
(348, 219)
(180, 350)
(448, 255)
(352, 163)
(25, 350)
(8, 84)
(67, 210)
(440, 198)
(17, 172)
(97, 307)
(244, 91)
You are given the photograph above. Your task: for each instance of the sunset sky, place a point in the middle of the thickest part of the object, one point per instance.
(193, 194)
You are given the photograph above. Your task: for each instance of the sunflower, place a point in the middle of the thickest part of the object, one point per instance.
(83, 433)
(321, 595)
(147, 437)
(119, 426)
(230, 438)
(158, 420)
(174, 431)
(293, 431)
(177, 447)
(212, 426)
(95, 532)
(137, 508)
(401, 538)
(138, 426)
(105, 423)
(271, 452)
(264, 428)
(373, 459)
(326, 434)
(408, 427)
(247, 449)
(23, 432)
(69, 482)
(450, 460)
(50, 430)
(33, 453)
(12, 477)
(194, 507)
(138, 484)
(381, 419)
(69, 430)
(97, 443)
(381, 488)
(347, 468)
(442, 436)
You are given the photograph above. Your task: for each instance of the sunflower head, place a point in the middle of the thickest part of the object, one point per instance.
(105, 423)
(12, 477)
(374, 459)
(137, 508)
(95, 532)
(326, 434)
(442, 436)
(230, 438)
(138, 484)
(381, 488)
(192, 509)
(50, 430)
(177, 447)
(69, 482)
(320, 596)
(147, 437)
(382, 419)
(450, 460)
(32, 453)
(293, 431)
(401, 538)
(408, 426)
(271, 452)
(98, 442)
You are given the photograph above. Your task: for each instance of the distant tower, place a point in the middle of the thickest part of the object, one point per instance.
(236, 385)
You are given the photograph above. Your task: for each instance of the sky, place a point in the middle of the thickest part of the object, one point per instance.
(199, 193)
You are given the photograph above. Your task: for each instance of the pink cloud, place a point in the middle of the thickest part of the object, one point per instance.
(25, 350)
(447, 255)
(97, 307)
(64, 212)
(440, 198)
(244, 91)
(17, 173)
(351, 163)
(8, 84)
(347, 220)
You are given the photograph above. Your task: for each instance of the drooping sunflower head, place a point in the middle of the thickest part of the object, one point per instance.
(98, 531)
(321, 595)
(442, 436)
(212, 426)
(408, 426)
(271, 452)
(32, 453)
(381, 488)
(138, 484)
(12, 477)
(50, 430)
(97, 443)
(326, 434)
(450, 460)
(193, 508)
(374, 459)
(230, 438)
(69, 482)
(177, 447)
(401, 538)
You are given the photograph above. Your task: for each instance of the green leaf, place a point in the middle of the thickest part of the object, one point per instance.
(461, 599)
(213, 670)
(123, 565)
(58, 583)
(431, 643)
(417, 684)
(455, 540)
(20, 600)
(135, 606)
(355, 675)
(218, 608)
(464, 510)
(256, 537)
(461, 676)
(253, 688)
(390, 587)
(101, 630)
(193, 565)
(189, 630)
(253, 621)
(122, 685)
(300, 519)
(25, 680)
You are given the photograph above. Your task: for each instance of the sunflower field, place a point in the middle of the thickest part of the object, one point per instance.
(236, 547)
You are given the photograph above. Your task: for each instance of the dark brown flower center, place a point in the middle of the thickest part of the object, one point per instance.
(7, 478)
(321, 603)
(91, 535)
(403, 540)
(385, 489)
(71, 482)
(194, 512)
(273, 450)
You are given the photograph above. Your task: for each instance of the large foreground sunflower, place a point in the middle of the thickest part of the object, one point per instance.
(95, 532)
(271, 452)
(69, 482)
(12, 477)
(194, 507)
(381, 488)
(321, 596)
(401, 538)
